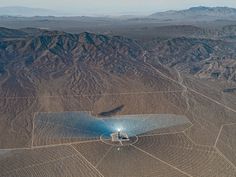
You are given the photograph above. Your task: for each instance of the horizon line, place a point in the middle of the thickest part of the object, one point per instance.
(59, 13)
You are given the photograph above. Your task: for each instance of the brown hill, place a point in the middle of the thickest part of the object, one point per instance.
(205, 58)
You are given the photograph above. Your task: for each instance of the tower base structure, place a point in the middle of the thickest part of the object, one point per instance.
(119, 137)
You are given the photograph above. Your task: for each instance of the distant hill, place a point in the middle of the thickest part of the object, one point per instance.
(198, 13)
(26, 11)
(12, 33)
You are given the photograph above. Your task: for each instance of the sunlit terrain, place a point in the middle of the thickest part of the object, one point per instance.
(118, 96)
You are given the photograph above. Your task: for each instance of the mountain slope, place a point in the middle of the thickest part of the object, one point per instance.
(198, 13)
(205, 58)
(55, 55)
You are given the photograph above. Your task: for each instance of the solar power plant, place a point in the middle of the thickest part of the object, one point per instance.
(192, 140)
(117, 96)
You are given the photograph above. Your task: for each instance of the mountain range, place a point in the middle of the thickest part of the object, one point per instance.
(193, 13)
(197, 13)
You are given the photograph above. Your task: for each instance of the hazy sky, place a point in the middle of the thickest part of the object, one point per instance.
(109, 7)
